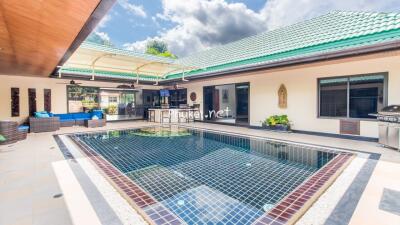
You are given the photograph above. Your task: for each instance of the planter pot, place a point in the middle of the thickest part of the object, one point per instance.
(278, 127)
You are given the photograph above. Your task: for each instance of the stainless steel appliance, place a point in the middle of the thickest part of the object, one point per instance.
(389, 126)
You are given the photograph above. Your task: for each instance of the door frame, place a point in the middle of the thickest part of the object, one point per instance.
(248, 100)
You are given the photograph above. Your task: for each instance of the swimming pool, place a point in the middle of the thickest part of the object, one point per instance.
(178, 175)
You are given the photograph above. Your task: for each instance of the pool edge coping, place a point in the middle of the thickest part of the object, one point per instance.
(311, 200)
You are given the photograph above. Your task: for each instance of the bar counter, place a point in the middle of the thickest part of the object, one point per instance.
(173, 115)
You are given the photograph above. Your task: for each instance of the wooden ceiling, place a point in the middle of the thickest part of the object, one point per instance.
(38, 35)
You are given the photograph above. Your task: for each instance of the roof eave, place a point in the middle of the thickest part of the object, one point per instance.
(355, 51)
(112, 79)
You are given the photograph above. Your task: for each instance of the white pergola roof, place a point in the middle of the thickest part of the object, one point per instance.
(96, 60)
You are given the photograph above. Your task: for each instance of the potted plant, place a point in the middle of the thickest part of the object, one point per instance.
(112, 110)
(277, 122)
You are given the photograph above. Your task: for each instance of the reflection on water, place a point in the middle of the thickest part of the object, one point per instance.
(171, 131)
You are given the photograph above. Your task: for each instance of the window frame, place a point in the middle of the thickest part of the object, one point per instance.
(67, 97)
(114, 98)
(385, 94)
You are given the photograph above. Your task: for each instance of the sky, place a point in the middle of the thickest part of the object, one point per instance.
(189, 26)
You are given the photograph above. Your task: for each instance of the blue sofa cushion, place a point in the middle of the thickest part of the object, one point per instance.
(82, 116)
(23, 128)
(73, 116)
(98, 113)
(41, 115)
(65, 116)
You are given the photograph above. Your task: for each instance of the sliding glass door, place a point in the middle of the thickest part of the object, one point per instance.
(120, 104)
(227, 103)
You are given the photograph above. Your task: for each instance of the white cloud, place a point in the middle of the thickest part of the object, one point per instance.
(103, 22)
(136, 10)
(103, 35)
(204, 24)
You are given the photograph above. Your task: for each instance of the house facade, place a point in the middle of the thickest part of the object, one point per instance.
(303, 84)
(327, 74)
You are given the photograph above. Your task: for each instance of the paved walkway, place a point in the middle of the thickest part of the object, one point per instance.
(30, 191)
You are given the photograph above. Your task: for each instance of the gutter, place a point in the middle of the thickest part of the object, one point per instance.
(356, 51)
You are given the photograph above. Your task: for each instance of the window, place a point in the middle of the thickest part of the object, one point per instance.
(14, 102)
(32, 101)
(82, 99)
(112, 99)
(352, 97)
(333, 97)
(47, 100)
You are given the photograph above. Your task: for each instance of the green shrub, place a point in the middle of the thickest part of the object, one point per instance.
(112, 110)
(277, 119)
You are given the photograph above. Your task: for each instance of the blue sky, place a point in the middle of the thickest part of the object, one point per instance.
(189, 26)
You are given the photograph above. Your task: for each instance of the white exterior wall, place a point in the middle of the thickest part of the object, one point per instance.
(300, 81)
(58, 93)
(302, 87)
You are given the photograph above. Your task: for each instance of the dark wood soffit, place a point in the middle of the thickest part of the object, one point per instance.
(98, 14)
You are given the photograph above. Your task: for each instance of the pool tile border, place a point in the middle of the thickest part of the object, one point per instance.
(135, 195)
(295, 204)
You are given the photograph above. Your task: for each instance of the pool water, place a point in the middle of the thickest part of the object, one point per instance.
(205, 177)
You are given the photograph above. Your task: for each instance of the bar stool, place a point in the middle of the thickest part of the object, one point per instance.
(165, 114)
(152, 116)
(195, 112)
(183, 114)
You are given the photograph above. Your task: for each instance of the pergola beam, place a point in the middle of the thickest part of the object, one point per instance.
(97, 59)
(151, 67)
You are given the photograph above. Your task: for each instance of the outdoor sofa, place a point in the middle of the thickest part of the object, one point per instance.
(78, 119)
(12, 132)
(45, 122)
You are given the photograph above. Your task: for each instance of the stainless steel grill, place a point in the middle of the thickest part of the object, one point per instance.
(389, 126)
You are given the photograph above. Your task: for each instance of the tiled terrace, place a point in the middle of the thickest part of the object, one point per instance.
(33, 192)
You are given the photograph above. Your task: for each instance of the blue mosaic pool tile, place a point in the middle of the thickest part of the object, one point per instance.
(208, 178)
(195, 207)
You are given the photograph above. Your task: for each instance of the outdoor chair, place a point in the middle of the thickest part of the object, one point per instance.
(11, 132)
(152, 116)
(46, 124)
(165, 114)
(183, 115)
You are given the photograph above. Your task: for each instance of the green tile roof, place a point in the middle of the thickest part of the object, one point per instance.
(331, 32)
(325, 34)
(107, 74)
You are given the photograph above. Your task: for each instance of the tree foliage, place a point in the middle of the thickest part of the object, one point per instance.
(159, 48)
